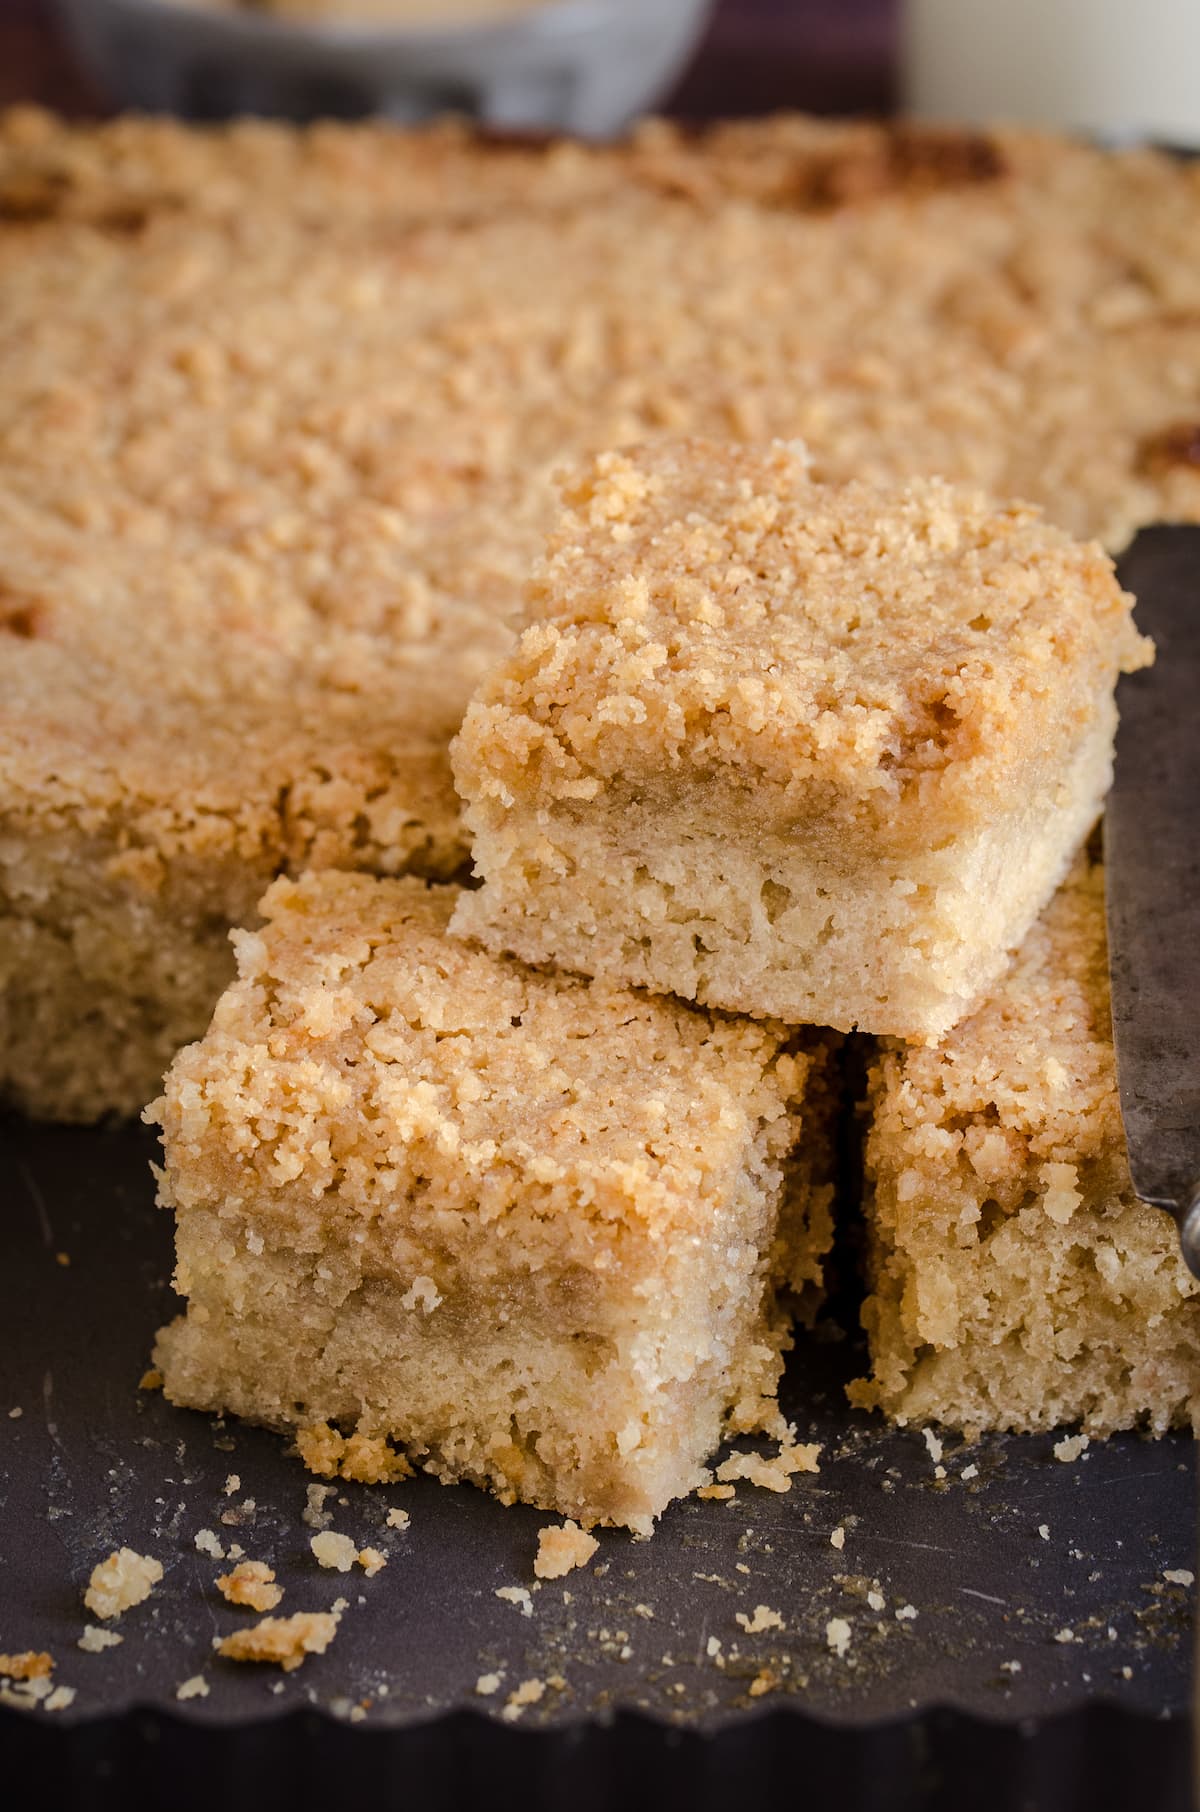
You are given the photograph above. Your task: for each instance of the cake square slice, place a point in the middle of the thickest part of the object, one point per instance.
(812, 752)
(1017, 1282)
(532, 1230)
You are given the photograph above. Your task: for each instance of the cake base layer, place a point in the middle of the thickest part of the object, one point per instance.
(1017, 1283)
(536, 1232)
(647, 895)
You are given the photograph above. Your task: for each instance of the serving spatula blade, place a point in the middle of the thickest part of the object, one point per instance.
(1152, 882)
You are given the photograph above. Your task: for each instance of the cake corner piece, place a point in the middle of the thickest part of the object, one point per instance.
(1016, 1281)
(528, 1230)
(811, 752)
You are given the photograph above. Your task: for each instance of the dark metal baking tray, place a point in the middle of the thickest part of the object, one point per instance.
(1048, 1656)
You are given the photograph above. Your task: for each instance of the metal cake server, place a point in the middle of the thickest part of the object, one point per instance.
(1152, 883)
(1152, 890)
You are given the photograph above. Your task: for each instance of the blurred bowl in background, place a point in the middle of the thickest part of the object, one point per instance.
(583, 66)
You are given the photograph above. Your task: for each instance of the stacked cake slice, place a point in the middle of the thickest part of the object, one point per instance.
(770, 756)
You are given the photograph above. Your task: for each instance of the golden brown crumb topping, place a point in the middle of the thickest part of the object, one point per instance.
(704, 607)
(1026, 1088)
(361, 1043)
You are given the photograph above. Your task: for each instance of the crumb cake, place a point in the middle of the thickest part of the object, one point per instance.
(279, 411)
(1016, 1281)
(529, 1230)
(812, 752)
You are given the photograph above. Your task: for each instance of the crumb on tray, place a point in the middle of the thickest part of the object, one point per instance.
(120, 1582)
(282, 1641)
(364, 1459)
(251, 1583)
(561, 1548)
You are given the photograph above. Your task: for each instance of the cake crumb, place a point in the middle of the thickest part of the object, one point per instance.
(764, 1618)
(337, 1552)
(932, 1443)
(282, 1641)
(251, 1583)
(563, 1548)
(314, 1514)
(1044, 1531)
(518, 1595)
(233, 1484)
(362, 1459)
(1064, 1635)
(31, 1664)
(774, 1474)
(906, 1613)
(15, 1414)
(969, 1472)
(397, 1519)
(94, 1640)
(1181, 1576)
(487, 1684)
(194, 1688)
(718, 1492)
(764, 1681)
(151, 1380)
(838, 1635)
(63, 1259)
(60, 1698)
(371, 1561)
(1070, 1447)
(876, 1601)
(1010, 1667)
(120, 1582)
(209, 1542)
(529, 1692)
(837, 1537)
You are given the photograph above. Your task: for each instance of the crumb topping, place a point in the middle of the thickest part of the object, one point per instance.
(707, 609)
(1024, 1092)
(397, 1052)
